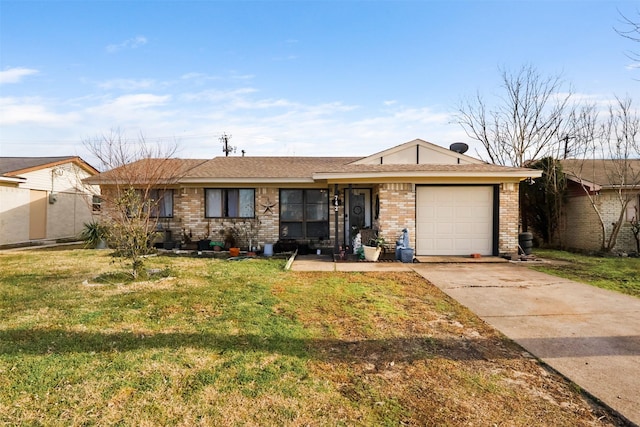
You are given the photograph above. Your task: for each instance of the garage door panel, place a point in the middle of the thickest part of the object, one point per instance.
(454, 220)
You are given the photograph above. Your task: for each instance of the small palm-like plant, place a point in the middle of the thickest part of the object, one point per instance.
(94, 233)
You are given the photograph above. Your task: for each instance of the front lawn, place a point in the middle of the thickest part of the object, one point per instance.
(246, 343)
(613, 273)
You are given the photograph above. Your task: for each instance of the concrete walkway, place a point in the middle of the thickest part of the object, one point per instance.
(590, 335)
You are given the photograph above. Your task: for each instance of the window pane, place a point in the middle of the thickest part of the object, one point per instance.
(247, 209)
(96, 203)
(167, 204)
(291, 230)
(317, 212)
(213, 203)
(290, 196)
(232, 204)
(317, 196)
(291, 212)
(317, 229)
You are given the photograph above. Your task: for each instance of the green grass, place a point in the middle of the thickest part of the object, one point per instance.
(613, 273)
(246, 343)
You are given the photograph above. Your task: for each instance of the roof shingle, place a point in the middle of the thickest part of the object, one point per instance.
(11, 165)
(605, 172)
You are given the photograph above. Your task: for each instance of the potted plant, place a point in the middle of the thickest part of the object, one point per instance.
(95, 235)
(229, 236)
(204, 244)
(187, 242)
(216, 246)
(373, 249)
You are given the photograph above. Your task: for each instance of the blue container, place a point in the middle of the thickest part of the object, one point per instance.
(406, 255)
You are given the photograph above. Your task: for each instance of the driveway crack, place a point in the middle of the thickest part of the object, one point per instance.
(524, 286)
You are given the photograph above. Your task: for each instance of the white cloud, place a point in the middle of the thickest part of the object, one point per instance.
(132, 43)
(139, 108)
(140, 100)
(140, 111)
(261, 126)
(217, 96)
(33, 111)
(15, 75)
(193, 75)
(127, 84)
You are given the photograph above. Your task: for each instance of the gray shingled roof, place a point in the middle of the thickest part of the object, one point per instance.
(603, 172)
(8, 165)
(267, 167)
(153, 168)
(293, 168)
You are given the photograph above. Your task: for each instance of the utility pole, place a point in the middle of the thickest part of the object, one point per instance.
(566, 145)
(226, 148)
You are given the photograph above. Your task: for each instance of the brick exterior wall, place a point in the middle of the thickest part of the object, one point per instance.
(509, 217)
(581, 229)
(189, 215)
(397, 211)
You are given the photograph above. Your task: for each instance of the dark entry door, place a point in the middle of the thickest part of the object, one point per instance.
(356, 206)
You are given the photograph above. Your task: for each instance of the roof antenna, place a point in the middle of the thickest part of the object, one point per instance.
(226, 148)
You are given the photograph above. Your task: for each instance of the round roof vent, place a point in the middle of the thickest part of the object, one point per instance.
(459, 147)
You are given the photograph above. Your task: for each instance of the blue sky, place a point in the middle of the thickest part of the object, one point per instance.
(286, 78)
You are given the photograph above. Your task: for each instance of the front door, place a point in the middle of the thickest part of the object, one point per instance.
(357, 210)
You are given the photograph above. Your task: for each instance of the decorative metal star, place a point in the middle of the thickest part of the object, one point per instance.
(267, 206)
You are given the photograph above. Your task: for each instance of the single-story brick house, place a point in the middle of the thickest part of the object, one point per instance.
(43, 198)
(451, 203)
(580, 226)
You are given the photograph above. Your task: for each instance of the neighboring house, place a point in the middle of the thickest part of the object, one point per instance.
(42, 198)
(580, 227)
(451, 204)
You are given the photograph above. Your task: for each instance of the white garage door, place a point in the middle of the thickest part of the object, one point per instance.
(455, 220)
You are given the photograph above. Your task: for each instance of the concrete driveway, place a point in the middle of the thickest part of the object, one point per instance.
(590, 335)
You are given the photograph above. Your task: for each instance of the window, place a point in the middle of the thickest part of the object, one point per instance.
(304, 214)
(161, 203)
(633, 209)
(96, 203)
(229, 203)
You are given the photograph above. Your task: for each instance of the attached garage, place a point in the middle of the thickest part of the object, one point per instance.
(455, 220)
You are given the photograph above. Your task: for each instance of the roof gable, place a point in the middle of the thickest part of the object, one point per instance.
(418, 152)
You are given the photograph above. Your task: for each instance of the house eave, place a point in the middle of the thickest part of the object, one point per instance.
(12, 180)
(206, 181)
(590, 186)
(417, 176)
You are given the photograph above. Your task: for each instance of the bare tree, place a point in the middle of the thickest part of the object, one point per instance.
(631, 30)
(525, 123)
(133, 190)
(543, 199)
(614, 145)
